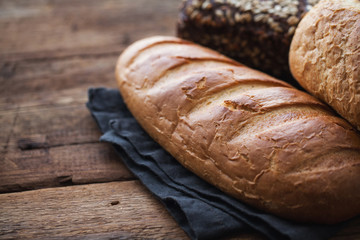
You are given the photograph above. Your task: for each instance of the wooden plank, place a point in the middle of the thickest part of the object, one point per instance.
(55, 146)
(80, 52)
(45, 80)
(121, 210)
(53, 126)
(33, 101)
(61, 166)
(71, 24)
(55, 81)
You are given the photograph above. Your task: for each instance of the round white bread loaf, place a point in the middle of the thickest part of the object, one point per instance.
(325, 56)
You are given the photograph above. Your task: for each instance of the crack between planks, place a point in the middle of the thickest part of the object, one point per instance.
(44, 56)
(62, 181)
(43, 107)
(28, 145)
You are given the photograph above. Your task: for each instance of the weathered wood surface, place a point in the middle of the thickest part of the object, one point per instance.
(51, 52)
(58, 25)
(97, 211)
(119, 210)
(55, 146)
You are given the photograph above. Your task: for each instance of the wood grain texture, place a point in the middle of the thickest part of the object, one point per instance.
(61, 166)
(55, 146)
(89, 211)
(71, 24)
(51, 46)
(55, 82)
(49, 138)
(116, 210)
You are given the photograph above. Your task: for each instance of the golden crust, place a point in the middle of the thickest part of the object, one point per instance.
(251, 135)
(325, 56)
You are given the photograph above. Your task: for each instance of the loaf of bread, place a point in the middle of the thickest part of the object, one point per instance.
(325, 56)
(255, 33)
(249, 134)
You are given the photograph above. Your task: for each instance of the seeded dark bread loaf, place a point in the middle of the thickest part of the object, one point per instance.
(256, 33)
(325, 56)
(251, 135)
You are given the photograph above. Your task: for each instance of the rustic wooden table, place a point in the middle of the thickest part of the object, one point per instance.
(56, 179)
